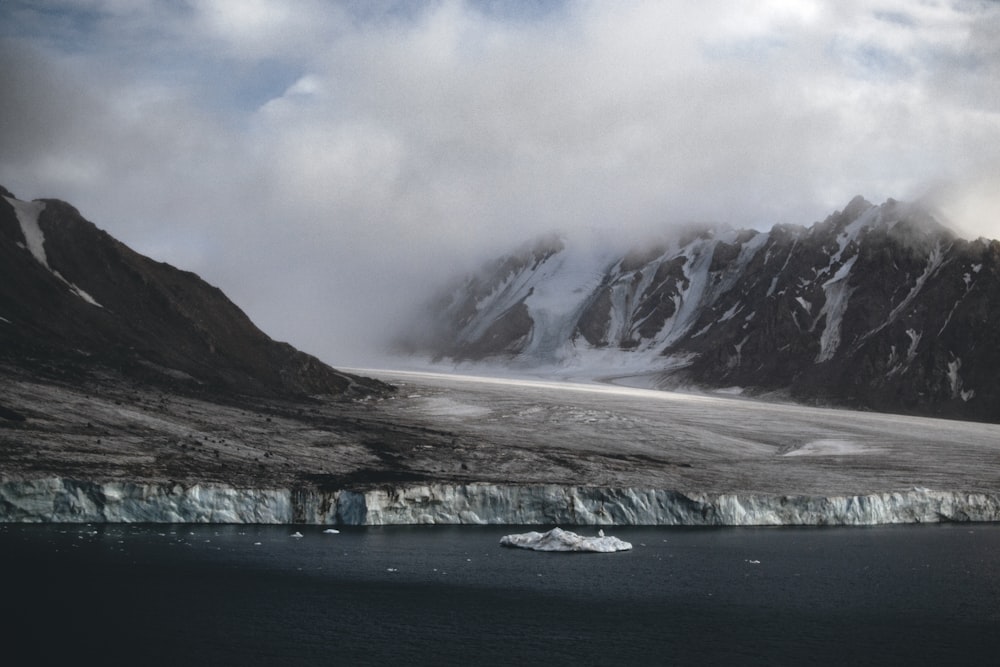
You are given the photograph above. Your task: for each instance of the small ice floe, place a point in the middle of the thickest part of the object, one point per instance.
(331, 531)
(754, 562)
(392, 569)
(297, 534)
(558, 539)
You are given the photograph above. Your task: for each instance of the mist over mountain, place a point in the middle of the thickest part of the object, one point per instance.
(877, 306)
(73, 299)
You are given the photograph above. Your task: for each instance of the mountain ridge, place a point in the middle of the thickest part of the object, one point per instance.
(73, 298)
(876, 306)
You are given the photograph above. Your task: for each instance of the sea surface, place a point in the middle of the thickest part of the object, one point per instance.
(257, 595)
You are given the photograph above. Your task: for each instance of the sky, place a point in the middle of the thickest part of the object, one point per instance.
(329, 164)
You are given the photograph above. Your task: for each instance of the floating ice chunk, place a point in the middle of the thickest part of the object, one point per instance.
(558, 539)
(331, 531)
(297, 534)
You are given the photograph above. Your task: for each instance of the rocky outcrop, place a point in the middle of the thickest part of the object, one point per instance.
(877, 307)
(65, 500)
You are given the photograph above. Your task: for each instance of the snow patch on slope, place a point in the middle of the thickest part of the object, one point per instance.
(27, 213)
(955, 381)
(560, 289)
(838, 294)
(914, 336)
(691, 299)
(934, 260)
(853, 230)
(27, 216)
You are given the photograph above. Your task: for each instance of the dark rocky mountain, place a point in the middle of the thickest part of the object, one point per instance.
(74, 299)
(878, 307)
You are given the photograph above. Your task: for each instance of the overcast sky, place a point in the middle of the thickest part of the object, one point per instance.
(327, 163)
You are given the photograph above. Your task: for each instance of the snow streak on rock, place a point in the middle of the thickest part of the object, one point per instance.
(837, 292)
(27, 214)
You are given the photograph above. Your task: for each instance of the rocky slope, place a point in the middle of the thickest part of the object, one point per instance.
(878, 307)
(73, 300)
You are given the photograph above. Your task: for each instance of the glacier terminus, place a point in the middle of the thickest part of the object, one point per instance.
(510, 451)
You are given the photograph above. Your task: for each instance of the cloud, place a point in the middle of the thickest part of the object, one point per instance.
(970, 207)
(326, 163)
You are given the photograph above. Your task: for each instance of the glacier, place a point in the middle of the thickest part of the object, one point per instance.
(65, 500)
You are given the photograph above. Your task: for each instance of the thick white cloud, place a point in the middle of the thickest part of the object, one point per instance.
(326, 163)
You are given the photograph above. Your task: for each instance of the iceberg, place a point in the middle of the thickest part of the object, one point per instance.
(558, 539)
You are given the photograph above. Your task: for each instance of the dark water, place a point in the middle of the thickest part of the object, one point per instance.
(916, 595)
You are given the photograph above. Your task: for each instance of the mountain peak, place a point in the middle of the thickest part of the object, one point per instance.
(856, 207)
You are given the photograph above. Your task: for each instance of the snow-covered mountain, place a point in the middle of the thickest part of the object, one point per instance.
(73, 299)
(878, 306)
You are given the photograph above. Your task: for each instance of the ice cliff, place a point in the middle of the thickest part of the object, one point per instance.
(67, 500)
